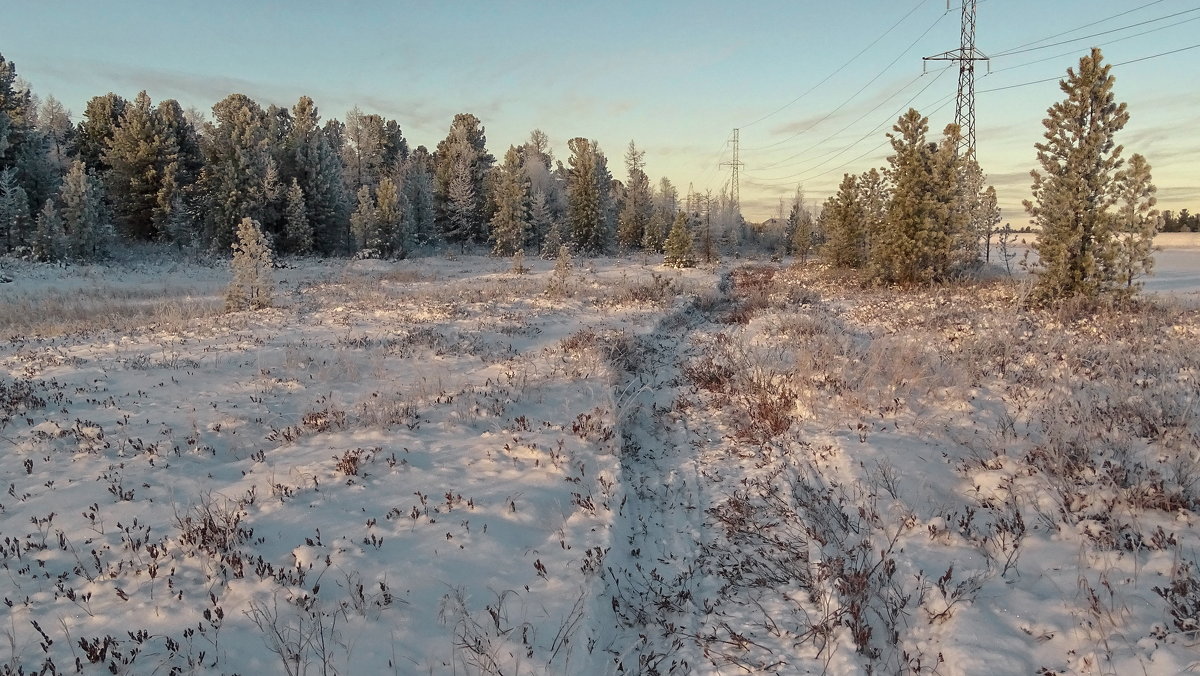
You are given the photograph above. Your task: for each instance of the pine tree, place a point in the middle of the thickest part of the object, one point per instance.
(540, 222)
(678, 246)
(639, 200)
(16, 226)
(846, 225)
(462, 206)
(139, 154)
(587, 196)
(87, 230)
(364, 223)
(1072, 198)
(1136, 223)
(418, 191)
(511, 220)
(298, 231)
(236, 160)
(391, 208)
(250, 288)
(316, 166)
(553, 241)
(800, 223)
(49, 240)
(94, 133)
(462, 155)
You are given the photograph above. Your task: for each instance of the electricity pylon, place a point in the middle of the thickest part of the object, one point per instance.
(966, 56)
(736, 164)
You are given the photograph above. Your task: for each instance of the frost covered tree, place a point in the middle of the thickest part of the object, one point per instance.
(250, 288)
(94, 132)
(1077, 186)
(418, 189)
(236, 160)
(845, 225)
(462, 206)
(298, 231)
(926, 219)
(317, 167)
(541, 221)
(639, 200)
(1135, 223)
(85, 222)
(391, 209)
(141, 157)
(49, 240)
(678, 250)
(510, 223)
(16, 225)
(588, 184)
(364, 222)
(54, 122)
(800, 227)
(462, 155)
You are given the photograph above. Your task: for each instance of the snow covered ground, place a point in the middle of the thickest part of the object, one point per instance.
(442, 466)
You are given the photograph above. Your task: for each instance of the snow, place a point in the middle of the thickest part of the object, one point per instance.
(435, 466)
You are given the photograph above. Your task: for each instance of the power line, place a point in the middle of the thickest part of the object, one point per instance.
(966, 55)
(1102, 44)
(1086, 25)
(1059, 77)
(840, 68)
(834, 154)
(845, 128)
(853, 96)
(1093, 35)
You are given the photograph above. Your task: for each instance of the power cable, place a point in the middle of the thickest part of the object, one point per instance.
(1103, 44)
(1086, 25)
(840, 68)
(833, 154)
(853, 96)
(1059, 77)
(1093, 35)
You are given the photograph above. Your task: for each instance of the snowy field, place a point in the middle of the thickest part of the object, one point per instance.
(440, 466)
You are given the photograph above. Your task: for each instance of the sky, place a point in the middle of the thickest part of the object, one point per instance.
(812, 86)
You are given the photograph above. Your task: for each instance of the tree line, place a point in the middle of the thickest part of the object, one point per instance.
(154, 172)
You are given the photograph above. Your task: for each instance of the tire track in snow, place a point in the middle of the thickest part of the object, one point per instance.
(647, 615)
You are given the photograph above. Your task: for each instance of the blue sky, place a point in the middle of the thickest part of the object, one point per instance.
(675, 77)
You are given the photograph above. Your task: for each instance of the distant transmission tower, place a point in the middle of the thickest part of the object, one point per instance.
(735, 193)
(966, 56)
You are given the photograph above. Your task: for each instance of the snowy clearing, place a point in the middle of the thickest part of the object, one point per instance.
(441, 466)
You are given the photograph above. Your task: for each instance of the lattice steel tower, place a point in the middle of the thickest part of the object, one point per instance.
(735, 193)
(966, 56)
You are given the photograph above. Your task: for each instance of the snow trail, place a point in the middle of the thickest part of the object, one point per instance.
(652, 574)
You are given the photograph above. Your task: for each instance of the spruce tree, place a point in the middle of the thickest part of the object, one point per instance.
(639, 200)
(298, 231)
(391, 213)
(94, 133)
(364, 223)
(16, 226)
(418, 187)
(49, 240)
(540, 221)
(87, 229)
(845, 226)
(678, 247)
(511, 220)
(250, 288)
(138, 155)
(462, 155)
(236, 160)
(587, 196)
(462, 207)
(1076, 187)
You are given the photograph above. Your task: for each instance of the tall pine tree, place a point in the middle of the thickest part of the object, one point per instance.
(1071, 199)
